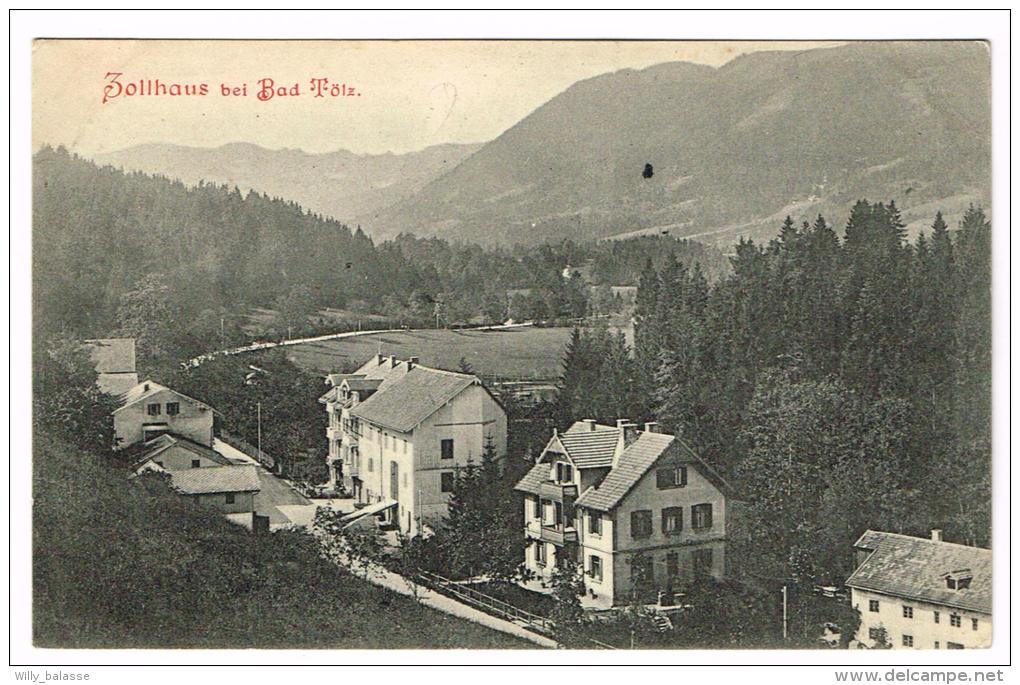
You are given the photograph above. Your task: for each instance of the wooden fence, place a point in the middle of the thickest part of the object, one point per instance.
(497, 607)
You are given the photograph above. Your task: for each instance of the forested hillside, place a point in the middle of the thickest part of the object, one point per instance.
(174, 266)
(840, 384)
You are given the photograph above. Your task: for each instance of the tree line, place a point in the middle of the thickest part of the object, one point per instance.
(116, 251)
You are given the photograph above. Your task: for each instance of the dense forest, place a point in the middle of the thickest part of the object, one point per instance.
(127, 252)
(840, 383)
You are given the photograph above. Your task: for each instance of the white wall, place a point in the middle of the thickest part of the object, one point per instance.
(194, 421)
(922, 626)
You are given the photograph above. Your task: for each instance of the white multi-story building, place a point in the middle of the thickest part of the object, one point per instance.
(638, 510)
(924, 593)
(398, 431)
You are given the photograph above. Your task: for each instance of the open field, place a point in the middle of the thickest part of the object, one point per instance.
(520, 353)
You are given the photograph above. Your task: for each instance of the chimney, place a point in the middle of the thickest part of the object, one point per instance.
(412, 362)
(652, 427)
(590, 423)
(146, 388)
(628, 431)
(379, 359)
(393, 360)
(936, 535)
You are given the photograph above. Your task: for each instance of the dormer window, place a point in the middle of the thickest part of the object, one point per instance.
(958, 580)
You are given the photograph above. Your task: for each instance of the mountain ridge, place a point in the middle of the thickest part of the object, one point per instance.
(732, 148)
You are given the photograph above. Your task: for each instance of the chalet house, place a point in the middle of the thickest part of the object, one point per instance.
(114, 360)
(637, 509)
(231, 489)
(925, 593)
(149, 409)
(398, 431)
(173, 453)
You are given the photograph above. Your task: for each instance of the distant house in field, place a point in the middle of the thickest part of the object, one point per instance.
(114, 359)
(398, 431)
(925, 593)
(149, 410)
(637, 509)
(173, 453)
(231, 489)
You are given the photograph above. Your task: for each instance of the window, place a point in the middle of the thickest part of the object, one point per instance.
(446, 481)
(973, 624)
(937, 644)
(641, 569)
(672, 477)
(672, 565)
(537, 512)
(153, 409)
(908, 640)
(873, 605)
(540, 557)
(173, 408)
(640, 524)
(954, 620)
(564, 472)
(595, 567)
(701, 516)
(702, 560)
(672, 520)
(446, 448)
(595, 523)
(370, 464)
(405, 479)
(908, 612)
(954, 645)
(937, 616)
(195, 463)
(230, 498)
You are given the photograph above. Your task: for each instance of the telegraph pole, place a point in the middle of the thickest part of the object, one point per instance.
(258, 419)
(785, 629)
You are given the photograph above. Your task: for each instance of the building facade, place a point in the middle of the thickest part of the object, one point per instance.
(922, 593)
(149, 410)
(399, 431)
(637, 510)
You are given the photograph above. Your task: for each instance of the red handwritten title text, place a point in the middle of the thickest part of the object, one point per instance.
(117, 86)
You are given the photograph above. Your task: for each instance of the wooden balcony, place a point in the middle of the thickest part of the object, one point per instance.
(555, 492)
(559, 535)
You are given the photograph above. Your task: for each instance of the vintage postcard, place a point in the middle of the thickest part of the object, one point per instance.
(516, 344)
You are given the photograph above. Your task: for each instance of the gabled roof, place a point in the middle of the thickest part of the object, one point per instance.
(635, 461)
(590, 445)
(402, 404)
(150, 450)
(915, 568)
(335, 379)
(215, 479)
(533, 479)
(362, 384)
(148, 389)
(112, 355)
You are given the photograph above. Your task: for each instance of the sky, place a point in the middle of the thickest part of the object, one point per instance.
(400, 95)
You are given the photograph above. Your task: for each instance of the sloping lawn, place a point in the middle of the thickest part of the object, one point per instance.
(119, 564)
(519, 353)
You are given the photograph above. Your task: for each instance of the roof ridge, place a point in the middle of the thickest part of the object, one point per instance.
(919, 538)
